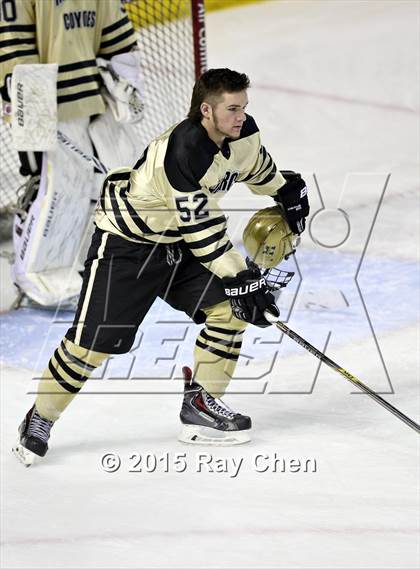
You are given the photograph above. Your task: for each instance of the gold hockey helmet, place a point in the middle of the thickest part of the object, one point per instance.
(268, 238)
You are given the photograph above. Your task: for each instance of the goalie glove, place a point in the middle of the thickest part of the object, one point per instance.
(293, 196)
(249, 296)
(123, 90)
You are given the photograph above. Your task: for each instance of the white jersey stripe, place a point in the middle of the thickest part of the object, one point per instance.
(86, 300)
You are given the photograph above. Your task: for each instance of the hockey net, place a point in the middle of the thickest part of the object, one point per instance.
(171, 37)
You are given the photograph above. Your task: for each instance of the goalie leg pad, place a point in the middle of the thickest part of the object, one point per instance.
(48, 238)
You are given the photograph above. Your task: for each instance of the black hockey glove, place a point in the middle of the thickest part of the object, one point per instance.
(249, 296)
(293, 196)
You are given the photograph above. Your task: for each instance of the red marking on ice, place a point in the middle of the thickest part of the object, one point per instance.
(335, 98)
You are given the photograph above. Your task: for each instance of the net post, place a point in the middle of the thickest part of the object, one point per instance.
(199, 37)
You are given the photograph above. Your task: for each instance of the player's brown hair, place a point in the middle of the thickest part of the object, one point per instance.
(212, 84)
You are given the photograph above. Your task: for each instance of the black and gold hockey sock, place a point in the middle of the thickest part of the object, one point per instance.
(67, 371)
(217, 349)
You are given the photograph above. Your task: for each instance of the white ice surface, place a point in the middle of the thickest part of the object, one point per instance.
(335, 93)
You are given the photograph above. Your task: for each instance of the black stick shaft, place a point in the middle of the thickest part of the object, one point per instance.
(326, 360)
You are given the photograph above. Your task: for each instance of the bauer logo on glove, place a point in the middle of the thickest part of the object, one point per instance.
(246, 289)
(249, 296)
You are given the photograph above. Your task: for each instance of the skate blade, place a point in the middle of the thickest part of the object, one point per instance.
(25, 456)
(198, 435)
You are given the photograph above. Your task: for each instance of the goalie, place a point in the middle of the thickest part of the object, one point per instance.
(81, 56)
(161, 233)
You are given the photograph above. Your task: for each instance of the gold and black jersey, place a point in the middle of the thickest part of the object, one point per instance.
(172, 193)
(71, 33)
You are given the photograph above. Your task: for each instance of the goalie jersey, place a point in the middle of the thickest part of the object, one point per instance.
(172, 193)
(71, 33)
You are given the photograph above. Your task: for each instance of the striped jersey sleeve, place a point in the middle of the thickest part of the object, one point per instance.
(125, 211)
(77, 81)
(17, 36)
(262, 177)
(118, 34)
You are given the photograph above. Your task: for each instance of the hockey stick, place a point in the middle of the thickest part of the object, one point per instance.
(68, 142)
(353, 379)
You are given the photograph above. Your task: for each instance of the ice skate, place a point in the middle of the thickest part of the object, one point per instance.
(34, 432)
(207, 420)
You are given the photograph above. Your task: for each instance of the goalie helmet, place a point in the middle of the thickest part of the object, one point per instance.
(268, 238)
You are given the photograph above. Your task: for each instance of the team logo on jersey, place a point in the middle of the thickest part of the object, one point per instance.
(79, 19)
(225, 183)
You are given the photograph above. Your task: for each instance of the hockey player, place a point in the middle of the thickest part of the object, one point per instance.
(94, 44)
(160, 232)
